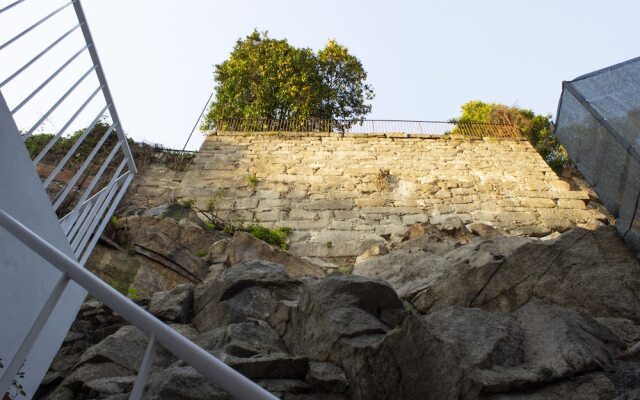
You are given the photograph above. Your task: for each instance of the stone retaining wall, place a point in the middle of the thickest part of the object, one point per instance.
(335, 194)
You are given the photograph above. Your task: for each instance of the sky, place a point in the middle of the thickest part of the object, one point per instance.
(423, 58)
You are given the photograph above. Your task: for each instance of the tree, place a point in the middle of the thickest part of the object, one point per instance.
(266, 78)
(537, 129)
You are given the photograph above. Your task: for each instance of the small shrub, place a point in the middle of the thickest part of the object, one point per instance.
(329, 245)
(252, 180)
(115, 220)
(276, 236)
(132, 294)
(188, 203)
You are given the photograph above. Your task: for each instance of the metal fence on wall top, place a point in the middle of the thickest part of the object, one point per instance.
(370, 126)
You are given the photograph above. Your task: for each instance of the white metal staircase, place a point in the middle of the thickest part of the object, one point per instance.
(51, 216)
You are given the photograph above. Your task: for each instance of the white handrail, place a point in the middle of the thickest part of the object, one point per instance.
(218, 372)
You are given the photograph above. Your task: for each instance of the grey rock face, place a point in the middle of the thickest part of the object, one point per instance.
(326, 377)
(563, 342)
(506, 318)
(167, 251)
(245, 247)
(183, 382)
(432, 357)
(250, 289)
(591, 271)
(590, 386)
(126, 348)
(338, 310)
(173, 305)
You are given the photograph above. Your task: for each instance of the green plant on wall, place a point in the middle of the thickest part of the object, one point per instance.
(187, 203)
(537, 129)
(276, 236)
(251, 180)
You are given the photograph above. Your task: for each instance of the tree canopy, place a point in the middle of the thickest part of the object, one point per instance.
(536, 128)
(269, 78)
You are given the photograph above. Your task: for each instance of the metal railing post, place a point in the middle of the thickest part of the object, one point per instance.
(103, 82)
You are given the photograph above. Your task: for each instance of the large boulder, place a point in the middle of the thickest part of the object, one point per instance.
(434, 356)
(562, 342)
(114, 266)
(341, 311)
(591, 271)
(169, 252)
(182, 382)
(248, 290)
(591, 386)
(173, 305)
(245, 247)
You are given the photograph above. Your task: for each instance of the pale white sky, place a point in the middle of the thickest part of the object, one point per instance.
(424, 58)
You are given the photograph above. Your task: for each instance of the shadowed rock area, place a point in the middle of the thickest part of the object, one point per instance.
(451, 312)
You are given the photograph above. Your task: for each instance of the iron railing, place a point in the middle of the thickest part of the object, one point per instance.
(96, 178)
(218, 372)
(370, 127)
(85, 182)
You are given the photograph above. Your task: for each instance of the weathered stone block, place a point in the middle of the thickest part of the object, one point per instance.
(537, 202)
(570, 203)
(329, 204)
(300, 214)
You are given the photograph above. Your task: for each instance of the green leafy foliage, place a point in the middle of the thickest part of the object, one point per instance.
(132, 294)
(276, 236)
(538, 129)
(143, 153)
(269, 78)
(187, 203)
(252, 180)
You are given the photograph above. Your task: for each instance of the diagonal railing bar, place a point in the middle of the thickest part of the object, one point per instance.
(49, 79)
(32, 27)
(88, 222)
(103, 81)
(53, 108)
(36, 58)
(63, 195)
(144, 370)
(15, 3)
(73, 148)
(101, 205)
(86, 250)
(58, 135)
(70, 220)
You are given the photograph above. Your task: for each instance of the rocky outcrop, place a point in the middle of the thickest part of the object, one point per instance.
(245, 247)
(442, 316)
(591, 271)
(249, 290)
